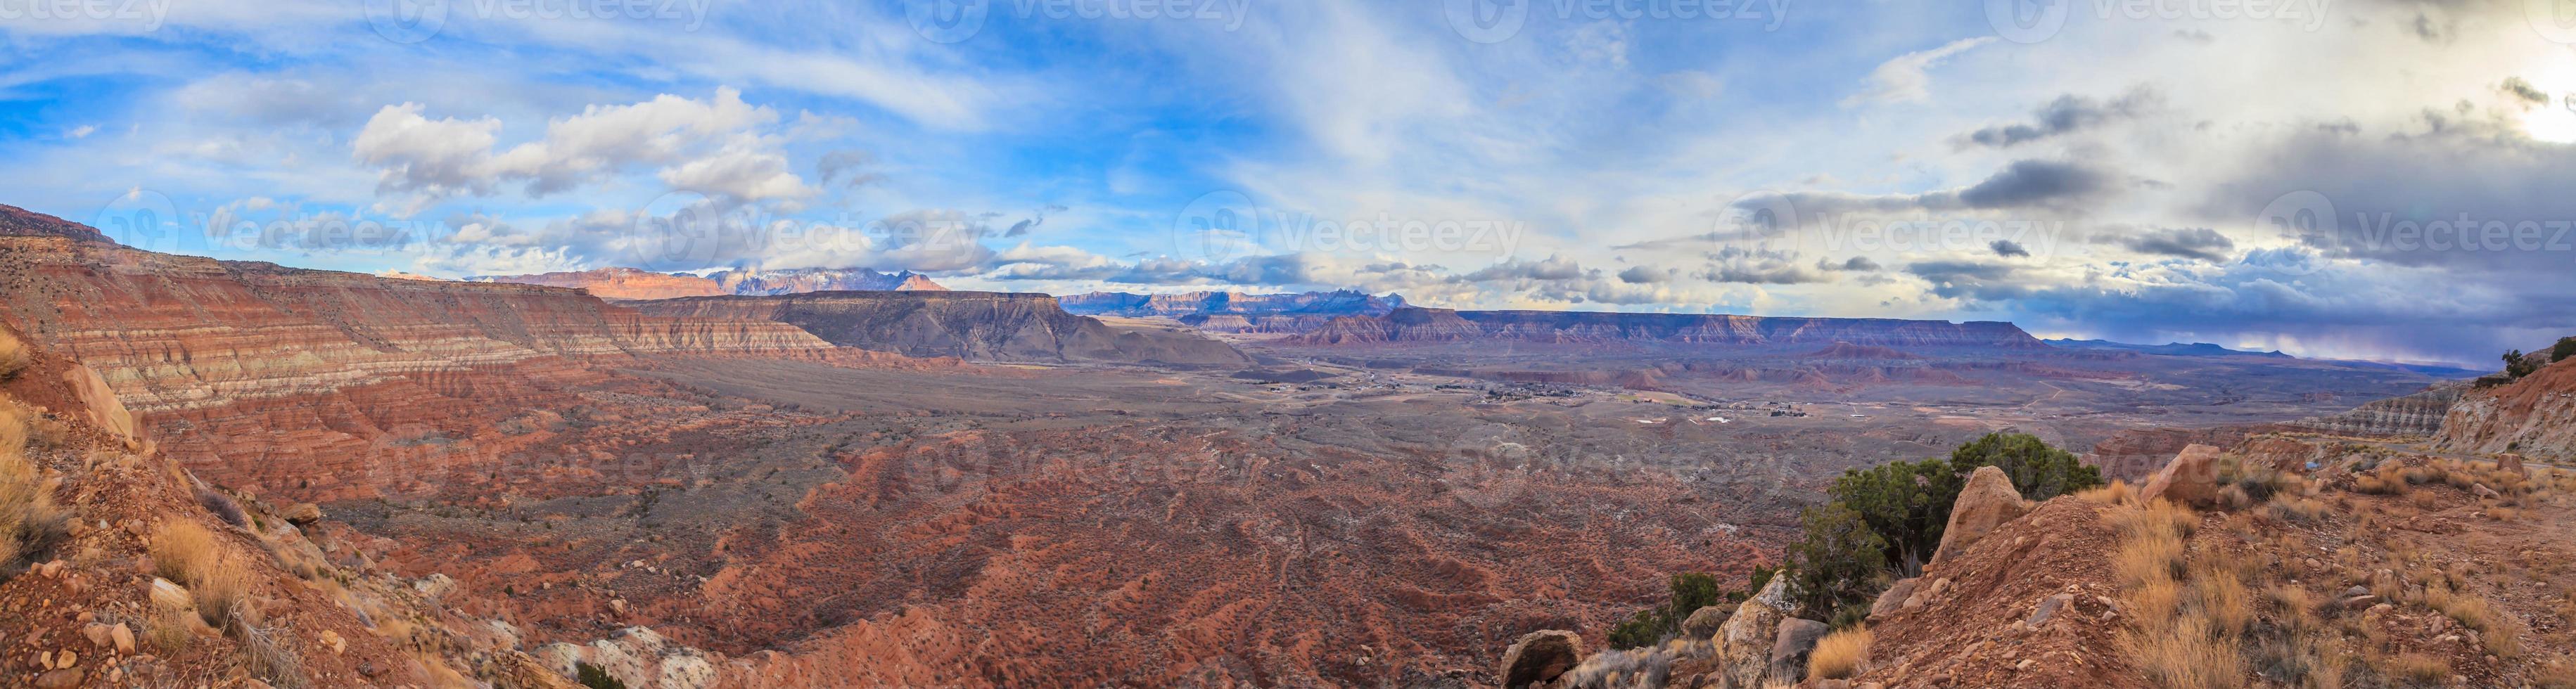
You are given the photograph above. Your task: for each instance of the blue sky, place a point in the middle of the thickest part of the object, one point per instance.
(2144, 172)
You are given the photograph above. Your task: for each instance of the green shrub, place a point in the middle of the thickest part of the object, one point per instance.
(2038, 471)
(1839, 563)
(595, 678)
(1908, 503)
(2517, 366)
(2566, 349)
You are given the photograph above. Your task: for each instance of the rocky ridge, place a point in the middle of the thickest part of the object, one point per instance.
(1415, 324)
(630, 283)
(985, 326)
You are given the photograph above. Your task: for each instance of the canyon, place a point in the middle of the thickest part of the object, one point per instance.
(987, 489)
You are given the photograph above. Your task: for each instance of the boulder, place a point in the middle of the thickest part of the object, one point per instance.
(2048, 608)
(1987, 502)
(2509, 462)
(1789, 649)
(1894, 598)
(304, 514)
(1744, 642)
(1540, 656)
(1705, 622)
(2190, 479)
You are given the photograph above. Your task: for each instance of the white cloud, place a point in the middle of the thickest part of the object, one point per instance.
(713, 146)
(1907, 78)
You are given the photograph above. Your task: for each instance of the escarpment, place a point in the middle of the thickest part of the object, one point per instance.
(989, 326)
(1413, 324)
(2534, 415)
(236, 365)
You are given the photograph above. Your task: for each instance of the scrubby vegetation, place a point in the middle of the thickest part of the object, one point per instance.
(29, 518)
(1840, 654)
(14, 355)
(1690, 592)
(1908, 503)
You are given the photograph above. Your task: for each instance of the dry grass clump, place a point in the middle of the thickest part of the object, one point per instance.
(2498, 630)
(2190, 655)
(2389, 479)
(186, 553)
(174, 623)
(2220, 597)
(264, 656)
(14, 355)
(29, 519)
(1840, 654)
(2118, 493)
(2422, 668)
(2297, 510)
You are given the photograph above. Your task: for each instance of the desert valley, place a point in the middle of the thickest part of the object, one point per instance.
(227, 473)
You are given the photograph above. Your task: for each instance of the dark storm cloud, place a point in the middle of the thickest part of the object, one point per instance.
(1855, 264)
(2516, 87)
(2068, 114)
(2184, 242)
(2024, 184)
(2008, 249)
(1640, 275)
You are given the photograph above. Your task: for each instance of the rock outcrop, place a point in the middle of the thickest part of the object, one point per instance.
(1705, 622)
(1789, 649)
(1987, 502)
(1539, 657)
(631, 283)
(987, 326)
(1413, 324)
(2534, 416)
(1744, 644)
(2190, 479)
(2413, 416)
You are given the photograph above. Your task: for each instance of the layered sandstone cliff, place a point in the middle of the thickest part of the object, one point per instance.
(1412, 324)
(990, 326)
(630, 283)
(2413, 416)
(2534, 416)
(1326, 304)
(237, 365)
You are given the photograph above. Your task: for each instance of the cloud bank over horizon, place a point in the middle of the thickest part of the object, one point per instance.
(2375, 179)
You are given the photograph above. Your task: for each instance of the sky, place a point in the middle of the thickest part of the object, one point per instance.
(2380, 179)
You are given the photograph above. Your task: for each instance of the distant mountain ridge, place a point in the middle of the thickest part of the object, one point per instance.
(2168, 349)
(1415, 324)
(1238, 312)
(979, 326)
(1334, 303)
(637, 284)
